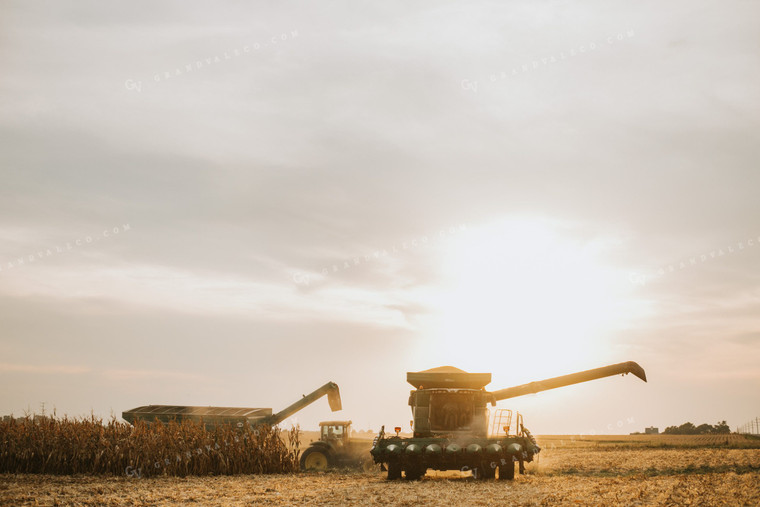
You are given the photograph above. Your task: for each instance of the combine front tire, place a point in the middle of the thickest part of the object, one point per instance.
(315, 458)
(486, 471)
(507, 471)
(415, 473)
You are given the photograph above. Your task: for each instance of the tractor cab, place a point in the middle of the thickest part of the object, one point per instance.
(336, 433)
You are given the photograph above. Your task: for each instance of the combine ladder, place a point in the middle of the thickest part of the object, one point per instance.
(500, 423)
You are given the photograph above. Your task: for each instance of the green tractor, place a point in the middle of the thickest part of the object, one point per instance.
(337, 448)
(451, 424)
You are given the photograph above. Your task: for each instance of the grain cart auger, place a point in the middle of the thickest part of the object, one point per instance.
(451, 423)
(236, 416)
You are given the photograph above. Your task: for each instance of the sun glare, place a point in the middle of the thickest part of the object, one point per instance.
(523, 294)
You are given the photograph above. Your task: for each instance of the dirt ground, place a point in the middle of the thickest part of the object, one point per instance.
(608, 475)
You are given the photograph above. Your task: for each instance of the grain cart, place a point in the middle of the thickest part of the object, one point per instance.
(337, 448)
(236, 416)
(451, 424)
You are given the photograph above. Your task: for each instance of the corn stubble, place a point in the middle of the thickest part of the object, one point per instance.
(89, 446)
(607, 470)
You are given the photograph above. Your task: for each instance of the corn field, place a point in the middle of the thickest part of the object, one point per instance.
(90, 446)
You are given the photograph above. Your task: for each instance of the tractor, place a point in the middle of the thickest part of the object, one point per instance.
(336, 448)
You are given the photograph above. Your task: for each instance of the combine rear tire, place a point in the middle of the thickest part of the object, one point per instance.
(394, 471)
(507, 471)
(315, 458)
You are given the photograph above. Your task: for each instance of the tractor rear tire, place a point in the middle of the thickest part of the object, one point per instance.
(507, 471)
(316, 458)
(394, 471)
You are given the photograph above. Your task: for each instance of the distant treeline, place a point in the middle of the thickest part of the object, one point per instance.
(703, 429)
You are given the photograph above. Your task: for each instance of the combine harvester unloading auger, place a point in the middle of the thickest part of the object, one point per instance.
(451, 424)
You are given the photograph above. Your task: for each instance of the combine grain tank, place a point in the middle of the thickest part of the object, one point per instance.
(451, 424)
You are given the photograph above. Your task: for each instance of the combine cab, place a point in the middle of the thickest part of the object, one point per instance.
(451, 423)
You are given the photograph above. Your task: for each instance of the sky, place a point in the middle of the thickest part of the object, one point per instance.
(231, 204)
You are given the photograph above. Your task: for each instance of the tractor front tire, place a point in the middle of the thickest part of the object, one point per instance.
(316, 458)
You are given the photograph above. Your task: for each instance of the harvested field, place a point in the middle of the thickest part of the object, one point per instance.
(565, 475)
(362, 489)
(661, 440)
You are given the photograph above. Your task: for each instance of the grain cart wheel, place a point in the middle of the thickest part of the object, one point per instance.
(507, 471)
(316, 458)
(394, 471)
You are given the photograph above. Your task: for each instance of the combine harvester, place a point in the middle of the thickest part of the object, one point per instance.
(451, 424)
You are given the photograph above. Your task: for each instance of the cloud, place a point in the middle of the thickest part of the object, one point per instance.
(352, 138)
(43, 369)
(153, 375)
